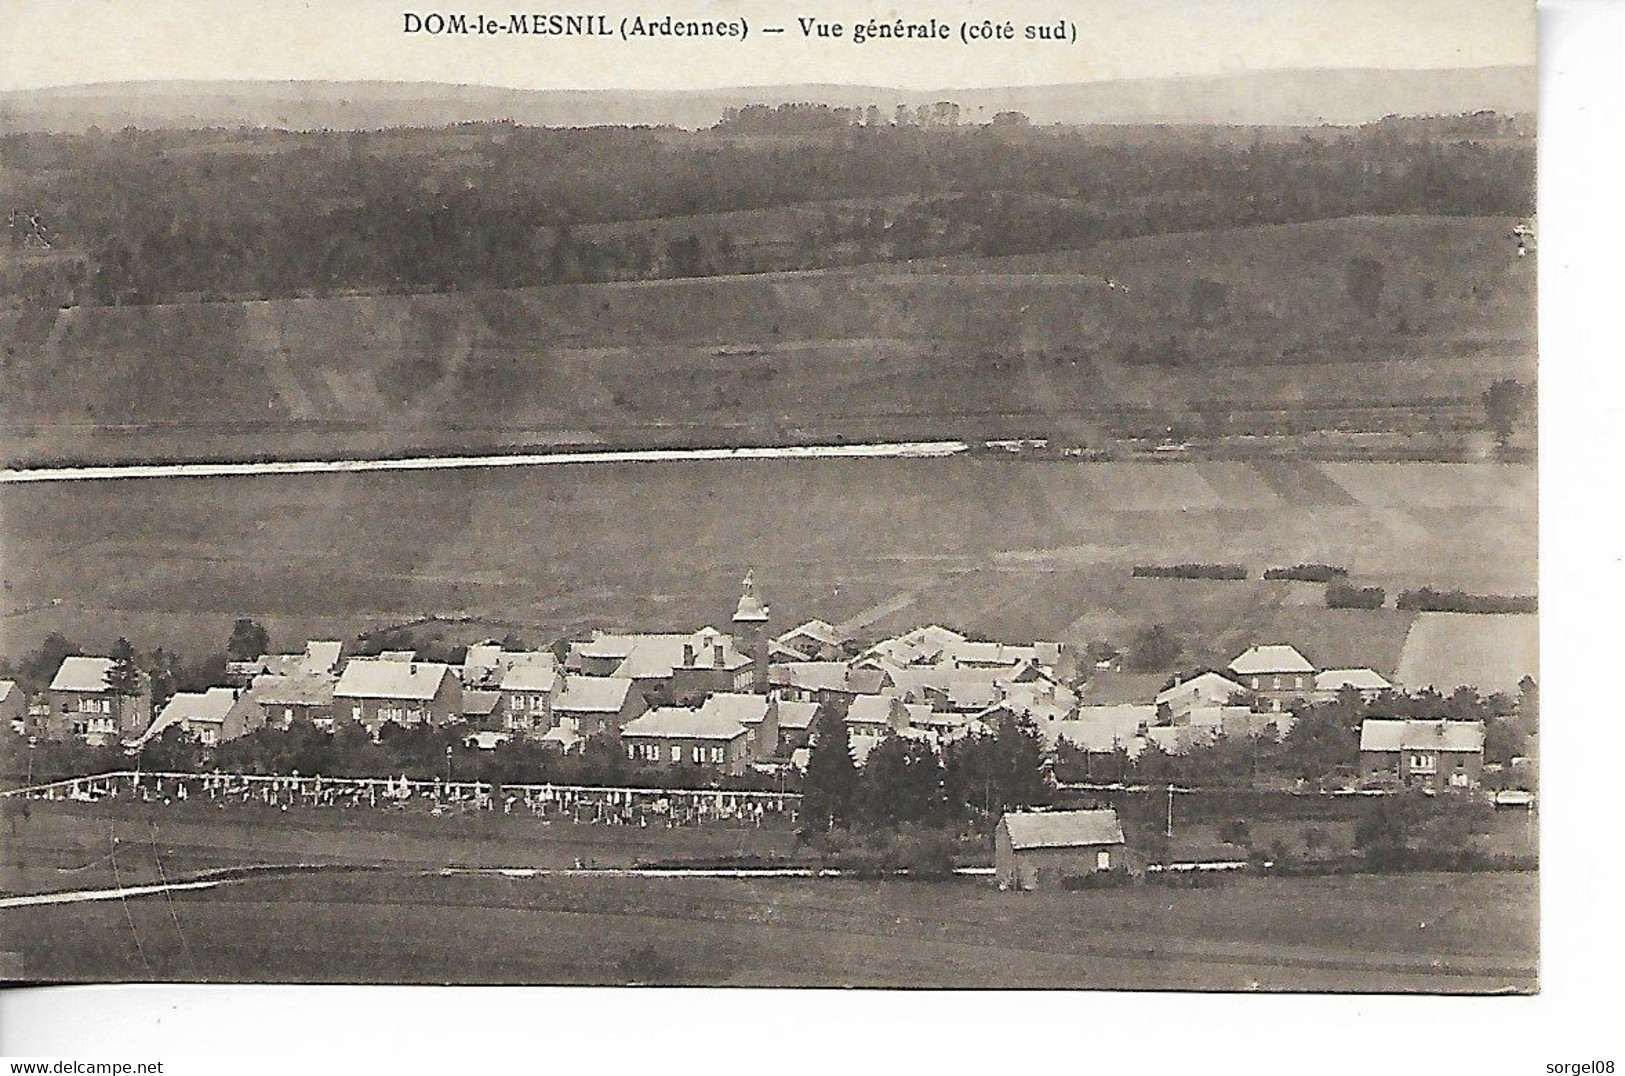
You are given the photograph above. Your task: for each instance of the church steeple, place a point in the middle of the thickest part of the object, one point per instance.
(750, 625)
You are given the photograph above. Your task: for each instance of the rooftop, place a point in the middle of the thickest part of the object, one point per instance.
(736, 707)
(677, 722)
(1274, 658)
(593, 694)
(385, 679)
(1377, 734)
(1062, 829)
(298, 689)
(1359, 679)
(82, 674)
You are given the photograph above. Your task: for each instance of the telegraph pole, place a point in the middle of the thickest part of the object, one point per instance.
(1169, 832)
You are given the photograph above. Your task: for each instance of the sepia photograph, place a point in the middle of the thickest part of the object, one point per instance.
(1038, 498)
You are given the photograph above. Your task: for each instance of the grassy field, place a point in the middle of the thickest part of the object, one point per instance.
(1437, 933)
(62, 846)
(1498, 651)
(401, 920)
(1011, 549)
(856, 353)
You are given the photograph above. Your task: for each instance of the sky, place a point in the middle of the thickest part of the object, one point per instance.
(67, 42)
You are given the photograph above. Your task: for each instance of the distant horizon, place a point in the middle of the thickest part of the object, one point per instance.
(64, 43)
(743, 87)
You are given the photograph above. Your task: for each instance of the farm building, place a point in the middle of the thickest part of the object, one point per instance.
(1277, 674)
(1042, 849)
(321, 657)
(1422, 754)
(382, 691)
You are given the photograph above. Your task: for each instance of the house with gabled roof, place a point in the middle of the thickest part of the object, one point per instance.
(796, 725)
(880, 715)
(484, 664)
(758, 713)
(1202, 691)
(594, 705)
(1277, 674)
(377, 691)
(687, 666)
(81, 704)
(828, 683)
(284, 698)
(211, 717)
(1367, 683)
(321, 657)
(816, 640)
(1434, 755)
(527, 695)
(1047, 849)
(680, 736)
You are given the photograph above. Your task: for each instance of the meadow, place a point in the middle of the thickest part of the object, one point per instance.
(1436, 933)
(1075, 345)
(1012, 549)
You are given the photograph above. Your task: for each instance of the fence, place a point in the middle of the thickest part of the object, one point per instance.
(580, 803)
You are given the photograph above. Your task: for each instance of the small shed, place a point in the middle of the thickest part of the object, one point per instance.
(1041, 849)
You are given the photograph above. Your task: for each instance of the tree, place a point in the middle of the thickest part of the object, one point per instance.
(1506, 404)
(1529, 704)
(124, 678)
(164, 667)
(830, 788)
(249, 640)
(901, 783)
(984, 776)
(39, 667)
(1154, 648)
(1382, 834)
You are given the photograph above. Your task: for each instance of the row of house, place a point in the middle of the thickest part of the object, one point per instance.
(740, 699)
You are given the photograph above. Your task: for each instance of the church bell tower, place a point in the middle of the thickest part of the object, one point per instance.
(750, 629)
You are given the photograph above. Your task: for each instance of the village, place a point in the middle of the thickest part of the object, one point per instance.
(724, 724)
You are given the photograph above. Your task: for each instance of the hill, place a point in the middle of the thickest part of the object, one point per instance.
(1257, 97)
(1013, 549)
(1120, 337)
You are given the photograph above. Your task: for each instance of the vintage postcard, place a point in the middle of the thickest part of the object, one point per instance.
(967, 496)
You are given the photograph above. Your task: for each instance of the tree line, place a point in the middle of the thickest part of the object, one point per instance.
(144, 217)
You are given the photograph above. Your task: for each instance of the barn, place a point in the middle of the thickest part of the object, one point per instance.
(1041, 849)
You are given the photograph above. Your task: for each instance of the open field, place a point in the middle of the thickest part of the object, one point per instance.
(1444, 647)
(62, 846)
(1007, 548)
(1461, 933)
(879, 350)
